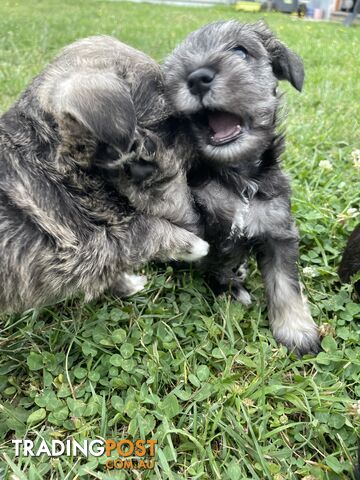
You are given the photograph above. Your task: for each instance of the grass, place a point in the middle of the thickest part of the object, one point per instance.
(201, 375)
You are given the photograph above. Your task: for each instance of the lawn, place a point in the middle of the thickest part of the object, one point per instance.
(201, 375)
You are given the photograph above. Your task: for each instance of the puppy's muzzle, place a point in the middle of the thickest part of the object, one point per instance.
(200, 81)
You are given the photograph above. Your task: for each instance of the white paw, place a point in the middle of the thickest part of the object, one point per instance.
(295, 328)
(198, 250)
(242, 296)
(133, 283)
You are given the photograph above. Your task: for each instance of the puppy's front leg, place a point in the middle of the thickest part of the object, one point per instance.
(290, 319)
(107, 258)
(153, 179)
(152, 238)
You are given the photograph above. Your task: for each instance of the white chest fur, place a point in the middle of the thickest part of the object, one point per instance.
(240, 219)
(253, 218)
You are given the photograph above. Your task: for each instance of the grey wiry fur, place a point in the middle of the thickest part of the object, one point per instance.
(222, 80)
(74, 217)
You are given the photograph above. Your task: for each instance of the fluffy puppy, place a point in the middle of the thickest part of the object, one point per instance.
(222, 80)
(73, 214)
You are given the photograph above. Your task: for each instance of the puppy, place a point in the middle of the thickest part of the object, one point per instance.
(222, 80)
(73, 214)
(350, 263)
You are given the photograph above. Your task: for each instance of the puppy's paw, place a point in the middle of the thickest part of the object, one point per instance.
(240, 294)
(140, 162)
(196, 250)
(139, 170)
(302, 343)
(296, 329)
(128, 285)
(242, 271)
(232, 285)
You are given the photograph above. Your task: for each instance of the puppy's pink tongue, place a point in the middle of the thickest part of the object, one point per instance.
(224, 125)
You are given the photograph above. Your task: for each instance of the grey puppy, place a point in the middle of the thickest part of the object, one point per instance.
(222, 80)
(75, 214)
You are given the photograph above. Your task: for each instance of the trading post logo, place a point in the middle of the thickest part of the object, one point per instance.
(142, 450)
(121, 454)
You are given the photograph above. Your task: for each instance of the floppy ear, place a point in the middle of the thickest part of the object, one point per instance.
(100, 102)
(286, 64)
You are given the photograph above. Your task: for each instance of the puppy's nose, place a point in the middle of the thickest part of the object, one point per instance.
(199, 82)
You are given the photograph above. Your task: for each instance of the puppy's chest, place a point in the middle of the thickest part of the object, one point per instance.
(240, 219)
(258, 218)
(255, 218)
(229, 215)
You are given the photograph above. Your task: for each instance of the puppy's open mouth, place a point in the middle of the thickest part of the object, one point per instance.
(222, 127)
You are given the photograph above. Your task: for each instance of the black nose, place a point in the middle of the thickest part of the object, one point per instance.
(199, 82)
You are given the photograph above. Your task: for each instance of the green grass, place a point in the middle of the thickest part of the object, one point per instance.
(201, 375)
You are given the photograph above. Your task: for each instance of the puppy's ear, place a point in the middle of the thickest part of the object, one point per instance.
(100, 102)
(286, 64)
